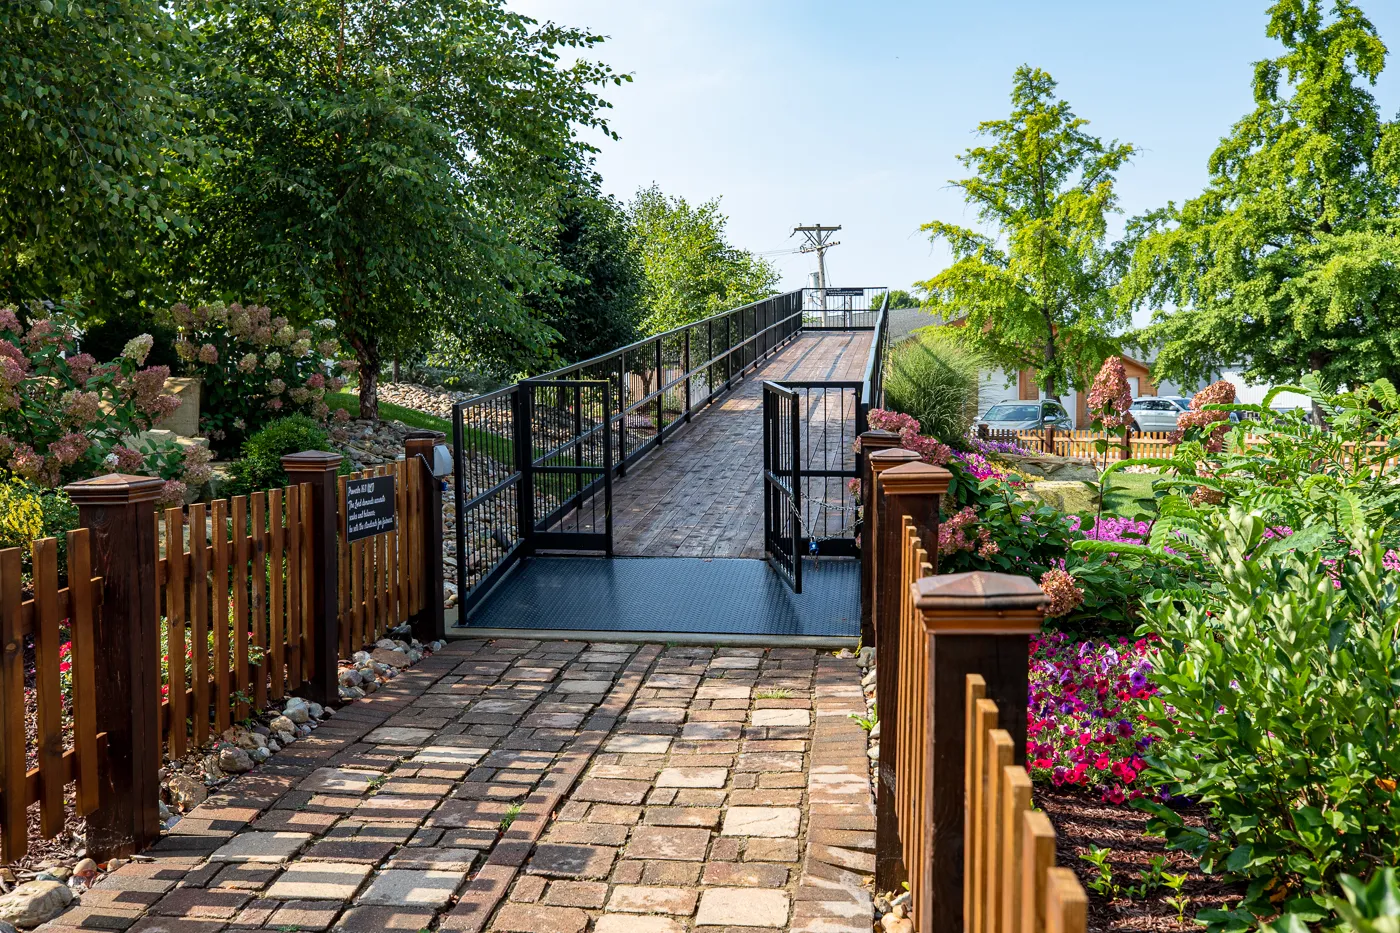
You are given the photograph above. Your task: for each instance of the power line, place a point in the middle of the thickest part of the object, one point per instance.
(817, 239)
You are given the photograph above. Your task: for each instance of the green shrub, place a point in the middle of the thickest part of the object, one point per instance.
(261, 465)
(934, 378)
(1279, 710)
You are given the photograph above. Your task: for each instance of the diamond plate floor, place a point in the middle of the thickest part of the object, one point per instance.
(675, 595)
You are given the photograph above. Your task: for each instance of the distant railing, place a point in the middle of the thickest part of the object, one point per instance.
(842, 308)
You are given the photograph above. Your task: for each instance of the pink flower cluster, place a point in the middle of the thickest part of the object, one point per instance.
(907, 427)
(1083, 720)
(977, 465)
(1110, 398)
(1113, 528)
(1065, 595)
(1217, 393)
(956, 533)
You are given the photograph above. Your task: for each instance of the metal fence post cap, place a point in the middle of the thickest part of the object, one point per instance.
(114, 489)
(980, 603)
(891, 457)
(311, 460)
(423, 434)
(915, 478)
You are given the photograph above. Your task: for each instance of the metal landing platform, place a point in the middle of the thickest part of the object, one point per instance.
(672, 596)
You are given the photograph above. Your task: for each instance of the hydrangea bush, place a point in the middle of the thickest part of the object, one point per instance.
(64, 416)
(254, 367)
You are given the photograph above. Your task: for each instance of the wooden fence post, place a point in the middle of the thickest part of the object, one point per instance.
(870, 443)
(319, 469)
(905, 486)
(429, 624)
(976, 623)
(120, 512)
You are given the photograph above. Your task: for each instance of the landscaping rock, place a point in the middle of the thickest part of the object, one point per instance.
(235, 760)
(187, 792)
(1069, 497)
(34, 903)
(1052, 467)
(394, 657)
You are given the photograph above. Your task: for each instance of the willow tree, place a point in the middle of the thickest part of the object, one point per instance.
(393, 166)
(1289, 261)
(1033, 288)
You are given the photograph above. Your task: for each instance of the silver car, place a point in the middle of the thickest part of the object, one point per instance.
(1025, 416)
(1158, 412)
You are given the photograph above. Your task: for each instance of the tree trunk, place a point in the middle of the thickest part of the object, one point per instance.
(1050, 387)
(367, 354)
(396, 368)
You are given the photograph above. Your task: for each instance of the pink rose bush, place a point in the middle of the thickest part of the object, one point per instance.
(253, 367)
(65, 417)
(1084, 721)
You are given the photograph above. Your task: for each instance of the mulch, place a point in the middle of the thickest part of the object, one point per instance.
(1082, 821)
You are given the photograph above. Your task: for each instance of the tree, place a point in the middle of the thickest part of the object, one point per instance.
(598, 307)
(899, 298)
(692, 271)
(1036, 293)
(394, 167)
(1289, 261)
(94, 138)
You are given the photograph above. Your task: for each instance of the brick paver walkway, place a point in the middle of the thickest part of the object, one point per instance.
(646, 789)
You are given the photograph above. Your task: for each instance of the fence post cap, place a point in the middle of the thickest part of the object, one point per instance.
(980, 603)
(423, 434)
(879, 439)
(114, 489)
(891, 457)
(915, 478)
(311, 460)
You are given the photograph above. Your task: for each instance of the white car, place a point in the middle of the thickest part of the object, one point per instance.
(1158, 412)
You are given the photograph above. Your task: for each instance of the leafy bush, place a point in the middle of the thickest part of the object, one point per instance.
(64, 416)
(1369, 907)
(934, 379)
(28, 511)
(261, 465)
(1279, 709)
(253, 367)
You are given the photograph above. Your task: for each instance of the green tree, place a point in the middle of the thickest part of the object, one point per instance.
(598, 307)
(899, 298)
(1289, 261)
(395, 168)
(94, 138)
(692, 271)
(1036, 292)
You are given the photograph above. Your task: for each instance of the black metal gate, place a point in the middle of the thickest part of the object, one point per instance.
(782, 483)
(568, 464)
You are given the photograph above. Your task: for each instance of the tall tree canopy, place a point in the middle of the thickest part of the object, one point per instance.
(1289, 261)
(394, 166)
(1035, 292)
(692, 271)
(94, 137)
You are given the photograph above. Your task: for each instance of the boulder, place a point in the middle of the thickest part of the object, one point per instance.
(282, 724)
(393, 657)
(1068, 497)
(1052, 467)
(34, 903)
(297, 714)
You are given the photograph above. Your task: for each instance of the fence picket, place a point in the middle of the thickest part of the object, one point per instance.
(48, 688)
(258, 547)
(295, 592)
(276, 605)
(1015, 800)
(219, 510)
(199, 619)
(241, 619)
(14, 843)
(175, 629)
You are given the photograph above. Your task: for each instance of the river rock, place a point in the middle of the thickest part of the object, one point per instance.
(187, 792)
(297, 713)
(234, 760)
(280, 724)
(34, 903)
(393, 657)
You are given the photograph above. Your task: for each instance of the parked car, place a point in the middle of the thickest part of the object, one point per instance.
(1158, 412)
(1025, 416)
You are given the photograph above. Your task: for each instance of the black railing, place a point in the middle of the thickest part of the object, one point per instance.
(530, 457)
(842, 308)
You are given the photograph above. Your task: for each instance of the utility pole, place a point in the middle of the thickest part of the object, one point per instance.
(817, 239)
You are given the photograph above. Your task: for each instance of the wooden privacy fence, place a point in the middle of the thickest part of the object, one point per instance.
(183, 620)
(932, 633)
(67, 746)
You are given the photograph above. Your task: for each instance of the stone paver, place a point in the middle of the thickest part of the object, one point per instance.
(641, 789)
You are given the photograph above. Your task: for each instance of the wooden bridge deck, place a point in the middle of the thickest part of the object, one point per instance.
(700, 494)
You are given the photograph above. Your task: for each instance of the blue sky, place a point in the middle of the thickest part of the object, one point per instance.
(854, 113)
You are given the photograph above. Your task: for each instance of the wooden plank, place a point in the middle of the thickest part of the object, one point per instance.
(975, 690)
(14, 843)
(1015, 801)
(415, 543)
(1038, 856)
(343, 590)
(241, 620)
(984, 721)
(295, 593)
(277, 632)
(391, 541)
(998, 759)
(404, 539)
(259, 570)
(82, 588)
(199, 618)
(357, 595)
(175, 627)
(219, 510)
(1066, 904)
(48, 689)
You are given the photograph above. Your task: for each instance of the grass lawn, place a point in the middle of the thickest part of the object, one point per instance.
(1129, 493)
(499, 448)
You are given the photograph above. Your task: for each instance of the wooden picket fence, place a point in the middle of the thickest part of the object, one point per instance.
(67, 747)
(381, 578)
(1010, 882)
(1084, 444)
(230, 578)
